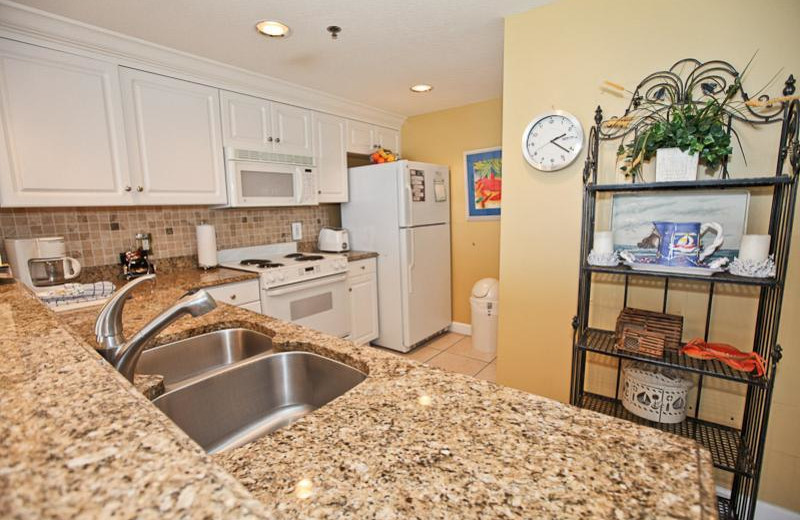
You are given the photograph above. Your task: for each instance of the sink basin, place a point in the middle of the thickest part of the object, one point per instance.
(187, 360)
(243, 402)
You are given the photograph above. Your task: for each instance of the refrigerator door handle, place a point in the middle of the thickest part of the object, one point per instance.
(407, 203)
(411, 259)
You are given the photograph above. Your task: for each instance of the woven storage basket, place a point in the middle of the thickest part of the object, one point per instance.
(657, 394)
(648, 333)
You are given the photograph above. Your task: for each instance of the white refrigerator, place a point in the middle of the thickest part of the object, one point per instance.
(401, 210)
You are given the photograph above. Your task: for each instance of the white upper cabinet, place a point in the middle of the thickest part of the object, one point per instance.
(360, 137)
(331, 147)
(246, 122)
(387, 138)
(253, 123)
(291, 130)
(174, 140)
(61, 130)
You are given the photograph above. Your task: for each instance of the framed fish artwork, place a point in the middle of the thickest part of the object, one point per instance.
(484, 183)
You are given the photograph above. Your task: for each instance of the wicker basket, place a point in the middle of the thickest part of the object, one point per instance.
(648, 333)
(656, 394)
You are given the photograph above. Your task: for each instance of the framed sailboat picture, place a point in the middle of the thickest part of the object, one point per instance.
(484, 183)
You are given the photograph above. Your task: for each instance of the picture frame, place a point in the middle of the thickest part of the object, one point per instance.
(632, 215)
(483, 181)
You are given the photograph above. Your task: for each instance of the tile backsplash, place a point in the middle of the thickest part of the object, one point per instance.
(96, 236)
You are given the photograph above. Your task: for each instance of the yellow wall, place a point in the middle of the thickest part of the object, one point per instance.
(558, 56)
(443, 137)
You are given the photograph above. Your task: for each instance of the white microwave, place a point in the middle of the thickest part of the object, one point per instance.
(258, 179)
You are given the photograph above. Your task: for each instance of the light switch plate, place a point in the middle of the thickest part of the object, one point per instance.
(297, 230)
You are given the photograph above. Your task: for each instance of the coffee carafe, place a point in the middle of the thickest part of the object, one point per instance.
(41, 263)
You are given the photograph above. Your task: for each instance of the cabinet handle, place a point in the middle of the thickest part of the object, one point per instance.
(140, 188)
(277, 139)
(350, 289)
(269, 139)
(319, 192)
(363, 267)
(128, 188)
(233, 297)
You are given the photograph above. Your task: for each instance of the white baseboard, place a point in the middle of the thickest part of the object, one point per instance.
(461, 328)
(765, 510)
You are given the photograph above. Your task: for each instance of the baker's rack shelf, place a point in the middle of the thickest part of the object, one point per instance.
(737, 450)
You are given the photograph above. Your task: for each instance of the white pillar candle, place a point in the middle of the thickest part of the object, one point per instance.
(754, 248)
(604, 242)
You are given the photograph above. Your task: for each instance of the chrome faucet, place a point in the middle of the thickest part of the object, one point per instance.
(124, 354)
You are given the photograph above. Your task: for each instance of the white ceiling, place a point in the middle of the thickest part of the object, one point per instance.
(385, 46)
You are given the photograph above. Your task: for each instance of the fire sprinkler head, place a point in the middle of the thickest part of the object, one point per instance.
(334, 30)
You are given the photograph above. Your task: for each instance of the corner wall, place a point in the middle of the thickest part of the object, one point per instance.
(442, 137)
(557, 56)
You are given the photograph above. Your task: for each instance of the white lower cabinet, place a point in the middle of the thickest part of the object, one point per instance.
(62, 140)
(362, 284)
(241, 294)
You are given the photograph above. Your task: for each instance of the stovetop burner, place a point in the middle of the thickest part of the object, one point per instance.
(263, 264)
(308, 258)
(293, 255)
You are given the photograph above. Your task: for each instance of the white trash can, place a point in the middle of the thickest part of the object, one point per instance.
(484, 314)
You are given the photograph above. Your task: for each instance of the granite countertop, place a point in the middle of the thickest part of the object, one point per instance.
(410, 441)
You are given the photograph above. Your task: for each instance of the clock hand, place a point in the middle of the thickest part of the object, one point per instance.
(560, 146)
(553, 141)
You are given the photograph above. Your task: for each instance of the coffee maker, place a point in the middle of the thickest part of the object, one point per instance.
(41, 263)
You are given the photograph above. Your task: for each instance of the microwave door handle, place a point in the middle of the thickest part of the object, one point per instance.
(305, 285)
(298, 186)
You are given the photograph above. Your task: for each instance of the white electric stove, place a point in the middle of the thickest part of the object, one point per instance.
(305, 288)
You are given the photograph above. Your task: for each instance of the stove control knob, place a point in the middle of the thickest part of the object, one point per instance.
(280, 276)
(270, 277)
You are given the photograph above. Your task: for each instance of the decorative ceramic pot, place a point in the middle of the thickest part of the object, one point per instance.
(673, 164)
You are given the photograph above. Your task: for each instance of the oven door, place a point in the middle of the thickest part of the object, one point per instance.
(319, 304)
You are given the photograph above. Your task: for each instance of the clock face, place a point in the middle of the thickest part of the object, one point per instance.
(552, 140)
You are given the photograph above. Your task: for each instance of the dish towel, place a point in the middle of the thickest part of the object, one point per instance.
(71, 293)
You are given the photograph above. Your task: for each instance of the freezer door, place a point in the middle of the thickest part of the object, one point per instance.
(425, 275)
(424, 191)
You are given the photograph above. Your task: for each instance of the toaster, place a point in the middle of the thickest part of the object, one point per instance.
(333, 240)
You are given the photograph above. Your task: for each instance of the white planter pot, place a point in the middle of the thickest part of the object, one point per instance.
(673, 164)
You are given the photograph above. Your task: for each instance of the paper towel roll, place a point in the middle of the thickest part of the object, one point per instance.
(206, 246)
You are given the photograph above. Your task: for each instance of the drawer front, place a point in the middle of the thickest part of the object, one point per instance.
(356, 268)
(238, 293)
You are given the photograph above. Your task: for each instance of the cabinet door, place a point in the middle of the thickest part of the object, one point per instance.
(331, 152)
(291, 129)
(61, 130)
(363, 308)
(174, 140)
(360, 137)
(387, 138)
(245, 122)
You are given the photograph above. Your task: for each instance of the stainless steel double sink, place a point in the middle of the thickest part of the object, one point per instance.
(228, 388)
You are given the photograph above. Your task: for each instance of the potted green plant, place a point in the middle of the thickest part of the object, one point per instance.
(681, 136)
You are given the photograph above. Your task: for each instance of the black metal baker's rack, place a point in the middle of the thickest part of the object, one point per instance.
(739, 451)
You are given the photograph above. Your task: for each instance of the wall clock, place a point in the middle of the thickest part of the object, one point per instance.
(552, 140)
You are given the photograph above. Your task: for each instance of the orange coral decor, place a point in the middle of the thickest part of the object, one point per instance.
(734, 358)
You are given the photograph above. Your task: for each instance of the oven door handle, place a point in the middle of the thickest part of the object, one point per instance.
(301, 286)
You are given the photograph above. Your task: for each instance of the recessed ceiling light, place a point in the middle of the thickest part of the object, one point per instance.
(273, 29)
(422, 87)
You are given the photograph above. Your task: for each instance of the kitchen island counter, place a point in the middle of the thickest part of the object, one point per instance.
(410, 441)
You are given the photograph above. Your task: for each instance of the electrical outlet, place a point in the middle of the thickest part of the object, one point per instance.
(297, 230)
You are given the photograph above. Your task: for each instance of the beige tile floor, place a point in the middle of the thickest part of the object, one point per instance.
(455, 353)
